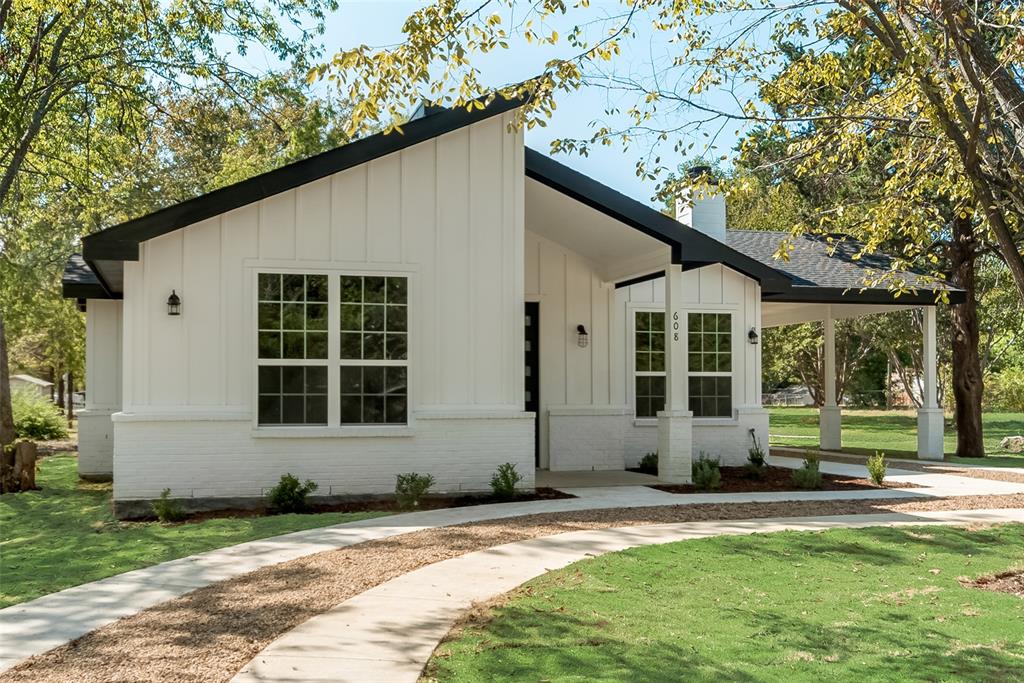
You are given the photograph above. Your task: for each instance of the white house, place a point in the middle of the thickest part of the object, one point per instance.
(442, 300)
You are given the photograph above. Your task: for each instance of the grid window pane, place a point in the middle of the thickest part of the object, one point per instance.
(711, 396)
(649, 363)
(292, 395)
(650, 396)
(374, 318)
(292, 316)
(374, 394)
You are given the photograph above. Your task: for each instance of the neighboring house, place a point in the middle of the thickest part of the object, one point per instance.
(30, 383)
(442, 301)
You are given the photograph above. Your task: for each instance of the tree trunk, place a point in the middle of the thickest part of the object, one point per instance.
(968, 385)
(71, 397)
(6, 414)
(60, 390)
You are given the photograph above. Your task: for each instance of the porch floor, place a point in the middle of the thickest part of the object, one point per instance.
(593, 479)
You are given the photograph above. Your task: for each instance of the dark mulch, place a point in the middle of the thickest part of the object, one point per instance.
(739, 480)
(387, 505)
(1011, 582)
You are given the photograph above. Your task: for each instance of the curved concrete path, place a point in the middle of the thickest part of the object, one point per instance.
(379, 636)
(52, 620)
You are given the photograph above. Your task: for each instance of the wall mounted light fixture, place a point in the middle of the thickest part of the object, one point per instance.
(582, 338)
(173, 304)
(753, 336)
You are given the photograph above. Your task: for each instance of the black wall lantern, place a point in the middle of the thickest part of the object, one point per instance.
(173, 304)
(753, 336)
(582, 338)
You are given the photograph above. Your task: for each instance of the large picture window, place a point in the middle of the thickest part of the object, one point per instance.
(303, 362)
(649, 363)
(709, 346)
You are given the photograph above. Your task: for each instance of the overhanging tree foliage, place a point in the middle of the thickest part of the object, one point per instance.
(944, 76)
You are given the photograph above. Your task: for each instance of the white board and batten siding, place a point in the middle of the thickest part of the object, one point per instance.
(448, 214)
(103, 382)
(586, 394)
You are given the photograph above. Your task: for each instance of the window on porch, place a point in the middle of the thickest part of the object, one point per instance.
(649, 363)
(709, 344)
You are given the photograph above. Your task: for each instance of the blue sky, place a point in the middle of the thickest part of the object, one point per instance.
(378, 23)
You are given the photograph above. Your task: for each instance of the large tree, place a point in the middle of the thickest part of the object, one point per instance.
(88, 92)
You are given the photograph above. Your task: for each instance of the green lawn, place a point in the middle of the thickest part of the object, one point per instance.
(845, 605)
(892, 431)
(65, 535)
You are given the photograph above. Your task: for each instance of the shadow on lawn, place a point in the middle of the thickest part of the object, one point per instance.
(563, 638)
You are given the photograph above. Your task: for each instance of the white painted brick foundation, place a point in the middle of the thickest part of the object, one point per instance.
(588, 437)
(728, 440)
(222, 459)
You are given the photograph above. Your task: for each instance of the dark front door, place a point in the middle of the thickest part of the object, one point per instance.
(532, 348)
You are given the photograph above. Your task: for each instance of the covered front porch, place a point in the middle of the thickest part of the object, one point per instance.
(929, 415)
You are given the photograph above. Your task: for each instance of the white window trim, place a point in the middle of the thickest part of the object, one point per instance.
(333, 362)
(732, 313)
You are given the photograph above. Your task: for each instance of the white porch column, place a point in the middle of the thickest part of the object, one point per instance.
(830, 418)
(929, 416)
(675, 423)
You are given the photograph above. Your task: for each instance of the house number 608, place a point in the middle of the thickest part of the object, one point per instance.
(675, 326)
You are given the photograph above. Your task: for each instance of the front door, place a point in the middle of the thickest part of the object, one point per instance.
(532, 348)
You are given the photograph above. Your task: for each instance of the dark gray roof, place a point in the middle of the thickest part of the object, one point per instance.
(80, 281)
(819, 262)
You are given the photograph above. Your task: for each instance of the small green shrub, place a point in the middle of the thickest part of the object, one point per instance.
(290, 496)
(706, 475)
(410, 489)
(504, 481)
(809, 475)
(649, 464)
(37, 417)
(756, 455)
(167, 509)
(876, 468)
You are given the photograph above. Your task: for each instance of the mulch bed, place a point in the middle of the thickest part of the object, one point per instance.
(211, 633)
(1011, 582)
(739, 480)
(936, 467)
(383, 504)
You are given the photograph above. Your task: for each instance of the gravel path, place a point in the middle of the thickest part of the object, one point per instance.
(210, 633)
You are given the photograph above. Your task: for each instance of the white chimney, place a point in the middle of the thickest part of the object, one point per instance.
(706, 211)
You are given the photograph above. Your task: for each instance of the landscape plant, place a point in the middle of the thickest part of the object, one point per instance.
(167, 509)
(504, 481)
(410, 488)
(706, 474)
(649, 464)
(876, 468)
(289, 495)
(809, 475)
(36, 417)
(756, 459)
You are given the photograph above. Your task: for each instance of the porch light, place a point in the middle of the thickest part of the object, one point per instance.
(582, 338)
(173, 304)
(753, 336)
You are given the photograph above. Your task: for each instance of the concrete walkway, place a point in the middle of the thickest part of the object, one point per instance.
(47, 622)
(389, 632)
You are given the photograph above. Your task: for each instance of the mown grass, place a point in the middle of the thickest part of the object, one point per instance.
(64, 535)
(895, 432)
(880, 604)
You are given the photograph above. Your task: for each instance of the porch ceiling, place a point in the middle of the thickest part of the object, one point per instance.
(617, 250)
(776, 314)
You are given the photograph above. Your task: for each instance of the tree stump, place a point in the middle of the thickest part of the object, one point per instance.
(18, 467)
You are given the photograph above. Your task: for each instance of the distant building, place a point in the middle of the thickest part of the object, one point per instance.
(23, 382)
